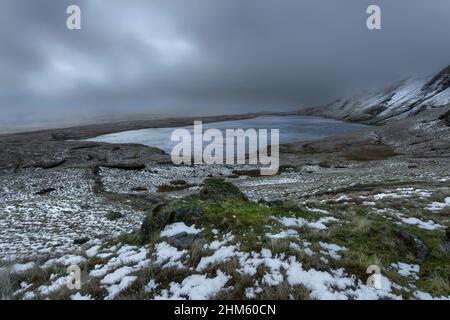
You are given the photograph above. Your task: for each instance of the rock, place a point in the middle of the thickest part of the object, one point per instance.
(275, 203)
(188, 210)
(114, 215)
(81, 241)
(178, 182)
(248, 173)
(447, 246)
(421, 249)
(215, 189)
(184, 240)
(310, 169)
(152, 222)
(50, 163)
(325, 165)
(45, 191)
(164, 214)
(445, 118)
(139, 189)
(125, 166)
(171, 188)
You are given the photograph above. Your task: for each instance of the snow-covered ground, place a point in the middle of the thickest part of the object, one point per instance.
(124, 264)
(44, 212)
(33, 224)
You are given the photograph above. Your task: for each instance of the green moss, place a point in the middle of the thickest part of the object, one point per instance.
(221, 205)
(219, 189)
(434, 274)
(371, 241)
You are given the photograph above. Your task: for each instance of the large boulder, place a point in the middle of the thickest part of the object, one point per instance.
(168, 213)
(219, 189)
(184, 240)
(190, 209)
(422, 250)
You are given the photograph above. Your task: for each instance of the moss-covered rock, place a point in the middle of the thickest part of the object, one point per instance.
(168, 213)
(114, 215)
(220, 205)
(218, 189)
(208, 204)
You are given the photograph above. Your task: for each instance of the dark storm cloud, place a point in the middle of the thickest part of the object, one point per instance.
(201, 56)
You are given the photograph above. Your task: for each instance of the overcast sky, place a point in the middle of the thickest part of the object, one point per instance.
(183, 57)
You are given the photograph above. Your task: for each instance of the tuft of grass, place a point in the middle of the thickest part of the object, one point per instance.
(133, 238)
(360, 224)
(94, 289)
(196, 252)
(438, 284)
(284, 291)
(278, 246)
(6, 285)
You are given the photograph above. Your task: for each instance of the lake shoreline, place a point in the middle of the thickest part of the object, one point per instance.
(291, 129)
(92, 130)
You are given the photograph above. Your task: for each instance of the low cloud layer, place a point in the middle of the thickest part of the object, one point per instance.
(184, 57)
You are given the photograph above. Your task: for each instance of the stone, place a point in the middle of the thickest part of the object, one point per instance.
(114, 215)
(184, 240)
(215, 189)
(421, 249)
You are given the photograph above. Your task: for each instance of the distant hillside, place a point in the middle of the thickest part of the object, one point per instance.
(402, 100)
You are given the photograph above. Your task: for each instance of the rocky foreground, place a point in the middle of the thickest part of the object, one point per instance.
(141, 228)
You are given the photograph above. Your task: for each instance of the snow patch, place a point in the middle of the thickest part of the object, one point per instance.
(300, 222)
(196, 287)
(332, 249)
(407, 270)
(22, 267)
(169, 255)
(177, 228)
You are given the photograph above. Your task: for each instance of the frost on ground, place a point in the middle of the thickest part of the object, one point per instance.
(314, 243)
(439, 206)
(300, 222)
(407, 270)
(44, 223)
(130, 266)
(196, 287)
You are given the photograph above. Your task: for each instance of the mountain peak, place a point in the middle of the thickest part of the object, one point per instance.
(405, 99)
(439, 82)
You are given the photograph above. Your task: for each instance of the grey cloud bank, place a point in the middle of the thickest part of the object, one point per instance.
(177, 57)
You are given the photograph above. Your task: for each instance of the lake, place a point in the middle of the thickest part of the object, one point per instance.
(292, 129)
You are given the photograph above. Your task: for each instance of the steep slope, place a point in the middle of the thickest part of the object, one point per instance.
(402, 100)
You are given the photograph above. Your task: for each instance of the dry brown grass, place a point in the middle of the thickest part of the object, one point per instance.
(284, 292)
(93, 288)
(370, 152)
(445, 212)
(196, 252)
(438, 284)
(278, 245)
(360, 224)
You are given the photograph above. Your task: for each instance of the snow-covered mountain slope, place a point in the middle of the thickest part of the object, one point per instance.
(406, 98)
